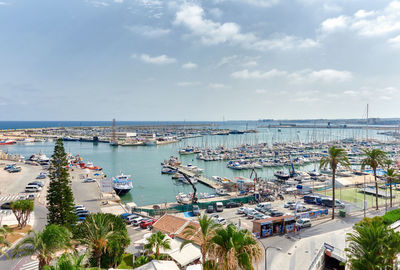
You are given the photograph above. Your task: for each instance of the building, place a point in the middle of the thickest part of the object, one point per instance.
(274, 225)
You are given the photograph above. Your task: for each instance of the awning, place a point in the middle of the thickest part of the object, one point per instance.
(188, 254)
(159, 265)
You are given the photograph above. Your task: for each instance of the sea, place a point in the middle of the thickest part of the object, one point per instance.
(143, 163)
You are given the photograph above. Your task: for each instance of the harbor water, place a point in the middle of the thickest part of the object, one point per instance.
(143, 163)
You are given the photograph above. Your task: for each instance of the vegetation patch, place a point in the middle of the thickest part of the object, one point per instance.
(127, 261)
(391, 216)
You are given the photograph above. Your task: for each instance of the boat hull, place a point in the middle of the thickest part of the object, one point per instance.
(121, 191)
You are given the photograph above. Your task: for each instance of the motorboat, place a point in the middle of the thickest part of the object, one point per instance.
(168, 170)
(281, 175)
(221, 191)
(122, 184)
(182, 198)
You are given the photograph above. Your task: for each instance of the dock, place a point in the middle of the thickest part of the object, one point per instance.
(204, 180)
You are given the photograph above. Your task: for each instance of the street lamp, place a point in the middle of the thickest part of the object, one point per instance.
(265, 252)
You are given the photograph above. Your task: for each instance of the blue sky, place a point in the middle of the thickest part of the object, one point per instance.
(198, 60)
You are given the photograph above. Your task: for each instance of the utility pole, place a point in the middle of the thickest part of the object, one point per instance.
(367, 122)
(364, 197)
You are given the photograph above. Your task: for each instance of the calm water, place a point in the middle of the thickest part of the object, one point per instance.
(143, 163)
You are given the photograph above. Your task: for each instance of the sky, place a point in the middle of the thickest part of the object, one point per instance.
(143, 60)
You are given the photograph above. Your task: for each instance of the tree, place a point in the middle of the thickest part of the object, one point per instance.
(60, 200)
(44, 244)
(4, 231)
(335, 157)
(390, 176)
(207, 230)
(141, 260)
(372, 245)
(156, 241)
(22, 210)
(374, 158)
(106, 237)
(233, 249)
(68, 261)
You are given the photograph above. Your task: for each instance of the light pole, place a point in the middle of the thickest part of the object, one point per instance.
(265, 252)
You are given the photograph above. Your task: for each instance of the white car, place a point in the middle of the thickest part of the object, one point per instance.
(137, 221)
(241, 210)
(260, 216)
(248, 210)
(221, 221)
(251, 214)
(89, 180)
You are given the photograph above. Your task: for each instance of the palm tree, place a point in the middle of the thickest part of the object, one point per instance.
(44, 244)
(98, 234)
(156, 241)
(233, 249)
(68, 261)
(141, 260)
(4, 231)
(374, 158)
(372, 245)
(207, 231)
(390, 175)
(335, 157)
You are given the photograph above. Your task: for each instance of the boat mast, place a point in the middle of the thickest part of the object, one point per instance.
(113, 132)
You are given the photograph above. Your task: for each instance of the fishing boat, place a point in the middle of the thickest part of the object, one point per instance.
(122, 184)
(221, 191)
(182, 198)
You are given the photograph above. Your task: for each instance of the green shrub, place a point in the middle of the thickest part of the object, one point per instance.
(391, 216)
(127, 261)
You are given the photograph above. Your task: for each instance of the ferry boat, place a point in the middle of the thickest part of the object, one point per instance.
(122, 184)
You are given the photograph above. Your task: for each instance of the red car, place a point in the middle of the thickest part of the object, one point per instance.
(146, 223)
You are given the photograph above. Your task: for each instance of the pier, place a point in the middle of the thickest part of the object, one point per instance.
(204, 180)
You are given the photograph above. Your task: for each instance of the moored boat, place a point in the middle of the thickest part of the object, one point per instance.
(122, 184)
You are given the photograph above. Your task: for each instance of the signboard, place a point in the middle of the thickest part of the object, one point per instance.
(106, 185)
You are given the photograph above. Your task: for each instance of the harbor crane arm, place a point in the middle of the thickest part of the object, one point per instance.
(194, 198)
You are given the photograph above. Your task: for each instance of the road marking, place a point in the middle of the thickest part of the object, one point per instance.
(33, 265)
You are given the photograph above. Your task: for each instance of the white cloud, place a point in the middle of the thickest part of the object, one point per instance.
(261, 3)
(395, 42)
(306, 99)
(302, 76)
(385, 98)
(218, 85)
(350, 93)
(323, 75)
(148, 31)
(189, 65)
(368, 23)
(99, 3)
(251, 63)
(3, 3)
(212, 33)
(246, 74)
(159, 60)
(333, 24)
(183, 84)
(261, 91)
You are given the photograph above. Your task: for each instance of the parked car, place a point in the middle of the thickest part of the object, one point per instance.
(7, 167)
(89, 180)
(303, 208)
(6, 205)
(30, 197)
(250, 214)
(82, 212)
(38, 183)
(32, 188)
(131, 218)
(146, 223)
(14, 169)
(196, 210)
(136, 221)
(232, 205)
(214, 216)
(247, 210)
(221, 221)
(264, 205)
(328, 203)
(276, 214)
(219, 207)
(259, 216)
(82, 218)
(210, 209)
(41, 176)
(288, 204)
(240, 210)
(303, 222)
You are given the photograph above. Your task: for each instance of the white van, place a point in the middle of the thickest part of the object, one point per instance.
(263, 205)
(219, 207)
(32, 188)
